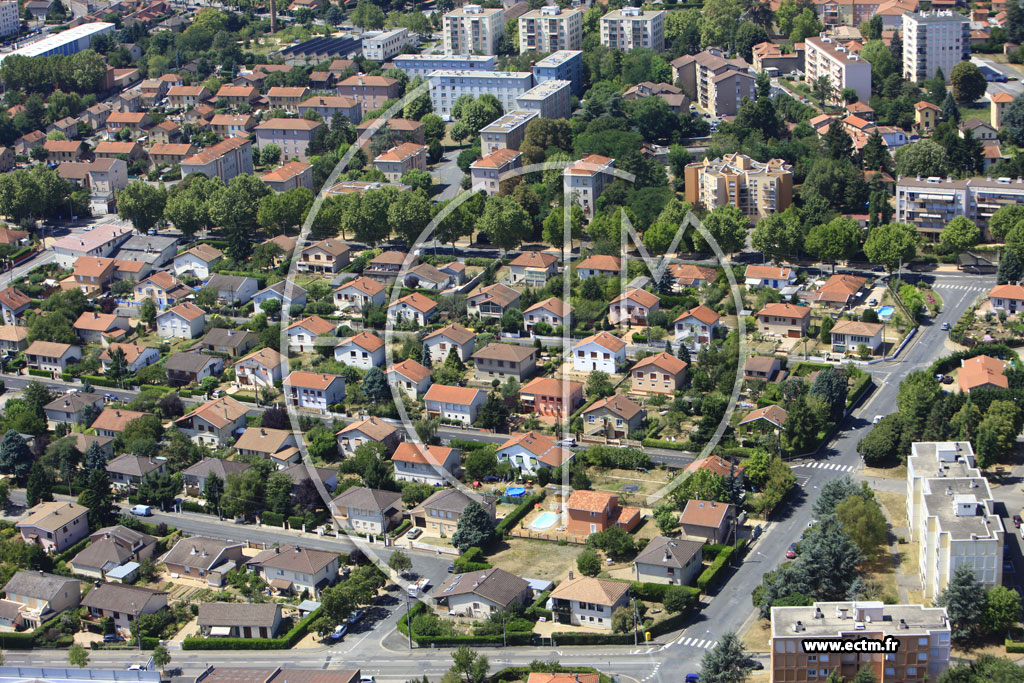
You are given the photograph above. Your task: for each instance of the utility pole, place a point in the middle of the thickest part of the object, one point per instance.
(504, 638)
(408, 618)
(636, 624)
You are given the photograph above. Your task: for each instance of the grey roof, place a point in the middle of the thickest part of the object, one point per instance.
(279, 287)
(221, 468)
(197, 551)
(189, 361)
(220, 336)
(453, 500)
(123, 534)
(496, 585)
(294, 558)
(119, 597)
(669, 552)
(238, 613)
(149, 243)
(9, 610)
(369, 499)
(73, 403)
(37, 584)
(299, 473)
(231, 282)
(133, 465)
(101, 554)
(29, 673)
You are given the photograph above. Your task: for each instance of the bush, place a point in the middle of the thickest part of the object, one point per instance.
(273, 518)
(710, 577)
(285, 642)
(471, 561)
(40, 373)
(952, 361)
(521, 511)
(295, 522)
(661, 443)
(98, 381)
(1012, 647)
(400, 529)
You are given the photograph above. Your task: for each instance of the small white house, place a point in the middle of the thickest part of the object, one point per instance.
(696, 327)
(135, 355)
(415, 308)
(601, 351)
(454, 403)
(184, 321)
(198, 261)
(288, 296)
(411, 378)
(440, 343)
(313, 391)
(553, 312)
(302, 334)
(774, 277)
(364, 350)
(357, 293)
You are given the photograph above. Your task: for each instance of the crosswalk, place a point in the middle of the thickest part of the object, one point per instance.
(697, 643)
(968, 288)
(834, 466)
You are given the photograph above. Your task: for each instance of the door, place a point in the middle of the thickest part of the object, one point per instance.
(794, 334)
(593, 528)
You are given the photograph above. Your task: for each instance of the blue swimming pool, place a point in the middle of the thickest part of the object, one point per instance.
(885, 311)
(545, 520)
(515, 491)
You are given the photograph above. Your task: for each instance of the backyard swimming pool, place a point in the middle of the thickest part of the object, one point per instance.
(545, 520)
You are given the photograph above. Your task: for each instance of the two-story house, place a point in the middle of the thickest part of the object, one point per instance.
(289, 294)
(532, 451)
(196, 476)
(34, 597)
(773, 277)
(13, 303)
(413, 308)
(162, 288)
(277, 445)
(601, 351)
(136, 356)
(198, 261)
(363, 350)
(411, 378)
(234, 343)
(632, 307)
(112, 421)
(450, 338)
(674, 561)
(302, 334)
(440, 513)
(260, 369)
(454, 403)
(293, 569)
(367, 430)
(784, 320)
(55, 525)
(707, 520)
(613, 417)
(325, 256)
(696, 327)
(354, 295)
(189, 367)
(500, 361)
(594, 511)
(658, 374)
(184, 321)
(92, 327)
(492, 301)
(425, 464)
(533, 268)
(547, 396)
(369, 511)
(122, 604)
(234, 289)
(72, 408)
(215, 423)
(586, 601)
(313, 390)
(545, 317)
(51, 356)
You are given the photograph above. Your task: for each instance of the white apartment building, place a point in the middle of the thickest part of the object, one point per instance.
(448, 86)
(9, 21)
(824, 56)
(506, 132)
(471, 29)
(424, 65)
(952, 516)
(383, 45)
(585, 180)
(630, 27)
(930, 203)
(934, 40)
(551, 100)
(550, 29)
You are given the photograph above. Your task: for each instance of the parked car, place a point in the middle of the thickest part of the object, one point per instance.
(141, 510)
(451, 569)
(692, 678)
(948, 379)
(945, 326)
(1017, 521)
(339, 632)
(878, 418)
(791, 551)
(414, 534)
(355, 617)
(113, 638)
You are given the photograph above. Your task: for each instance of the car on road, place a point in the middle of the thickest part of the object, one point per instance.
(366, 679)
(137, 667)
(878, 269)
(791, 551)
(141, 510)
(1017, 521)
(414, 534)
(945, 326)
(876, 420)
(692, 678)
(451, 569)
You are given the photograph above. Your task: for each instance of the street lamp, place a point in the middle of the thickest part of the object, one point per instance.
(408, 618)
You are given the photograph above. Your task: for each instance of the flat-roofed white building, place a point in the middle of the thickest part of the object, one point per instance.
(10, 23)
(564, 65)
(382, 45)
(448, 86)
(506, 132)
(952, 516)
(930, 203)
(932, 41)
(424, 65)
(632, 27)
(585, 180)
(551, 28)
(552, 100)
(472, 29)
(824, 56)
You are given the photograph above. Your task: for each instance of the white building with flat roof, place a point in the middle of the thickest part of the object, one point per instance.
(585, 180)
(505, 132)
(424, 65)
(631, 27)
(564, 65)
(951, 515)
(932, 41)
(551, 100)
(824, 56)
(551, 28)
(383, 45)
(448, 86)
(472, 29)
(68, 42)
(10, 22)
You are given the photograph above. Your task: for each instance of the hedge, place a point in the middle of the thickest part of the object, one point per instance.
(40, 373)
(1013, 647)
(285, 642)
(295, 522)
(859, 387)
(661, 443)
(98, 381)
(464, 445)
(710, 576)
(272, 518)
(513, 638)
(26, 640)
(655, 592)
(71, 552)
(952, 361)
(400, 529)
(537, 609)
(567, 638)
(513, 517)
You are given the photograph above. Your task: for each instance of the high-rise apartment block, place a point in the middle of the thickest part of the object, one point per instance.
(825, 56)
(585, 180)
(930, 203)
(630, 27)
(552, 100)
(914, 640)
(9, 20)
(506, 132)
(755, 188)
(550, 29)
(952, 516)
(716, 84)
(424, 65)
(564, 65)
(448, 86)
(932, 41)
(471, 29)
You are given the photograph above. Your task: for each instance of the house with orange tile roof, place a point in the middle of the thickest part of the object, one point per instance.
(63, 150)
(707, 520)
(356, 294)
(91, 327)
(403, 157)
(237, 95)
(51, 356)
(371, 91)
(999, 102)
(302, 334)
(599, 265)
(136, 355)
(289, 176)
(229, 125)
(769, 418)
(613, 417)
(775, 277)
(225, 160)
(584, 180)
(533, 268)
(169, 154)
(214, 423)
(552, 312)
(184, 321)
(425, 464)
(314, 391)
(287, 98)
(601, 351)
(292, 136)
(586, 601)
(501, 361)
(1006, 298)
(414, 307)
(591, 512)
(13, 303)
(926, 115)
(411, 378)
(367, 430)
(632, 307)
(364, 350)
(162, 288)
(696, 327)
(982, 371)
(688, 275)
(328, 105)
(839, 291)
(487, 171)
(492, 301)
(277, 445)
(93, 274)
(260, 368)
(848, 335)
(658, 374)
(112, 149)
(549, 397)
(112, 421)
(461, 404)
(784, 320)
(198, 261)
(13, 338)
(186, 96)
(531, 451)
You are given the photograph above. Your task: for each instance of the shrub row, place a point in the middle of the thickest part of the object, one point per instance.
(655, 592)
(513, 517)
(860, 385)
(952, 361)
(537, 609)
(26, 640)
(272, 518)
(661, 443)
(565, 638)
(710, 576)
(40, 373)
(71, 552)
(98, 381)
(1012, 647)
(285, 642)
(400, 529)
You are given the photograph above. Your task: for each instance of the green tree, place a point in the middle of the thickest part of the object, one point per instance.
(891, 244)
(468, 666)
(726, 662)
(375, 385)
(15, 456)
(213, 489)
(827, 556)
(677, 599)
(161, 657)
(237, 208)
(475, 527)
(99, 499)
(504, 222)
(881, 445)
(615, 542)
(399, 562)
(701, 485)
(588, 563)
(78, 656)
(1002, 610)
(117, 366)
(949, 112)
(876, 156)
(776, 235)
(40, 485)
(837, 240)
(142, 204)
(837, 143)
(599, 385)
(481, 462)
(367, 16)
(728, 226)
(962, 598)
(800, 433)
(968, 82)
(864, 522)
(666, 516)
(960, 234)
(924, 158)
(1005, 219)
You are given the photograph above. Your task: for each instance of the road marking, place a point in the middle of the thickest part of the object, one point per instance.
(834, 466)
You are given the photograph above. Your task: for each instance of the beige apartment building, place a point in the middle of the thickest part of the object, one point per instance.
(550, 29)
(755, 188)
(716, 84)
(404, 157)
(918, 637)
(824, 56)
(471, 29)
(630, 27)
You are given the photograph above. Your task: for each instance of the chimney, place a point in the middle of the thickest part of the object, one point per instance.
(570, 575)
(798, 626)
(277, 550)
(195, 551)
(903, 624)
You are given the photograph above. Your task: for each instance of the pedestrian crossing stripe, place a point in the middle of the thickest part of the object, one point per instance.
(698, 643)
(834, 466)
(963, 287)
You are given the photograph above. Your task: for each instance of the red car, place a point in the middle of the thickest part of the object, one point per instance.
(791, 551)
(1016, 521)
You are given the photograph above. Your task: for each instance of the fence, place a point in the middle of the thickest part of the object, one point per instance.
(529, 533)
(430, 547)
